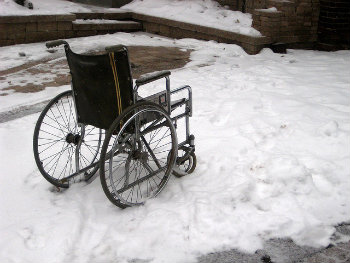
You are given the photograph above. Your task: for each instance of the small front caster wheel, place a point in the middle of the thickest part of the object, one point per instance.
(184, 166)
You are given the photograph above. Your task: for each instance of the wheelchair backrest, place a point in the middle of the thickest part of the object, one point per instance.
(102, 86)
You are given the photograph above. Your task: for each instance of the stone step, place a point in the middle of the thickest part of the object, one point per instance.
(121, 15)
(98, 24)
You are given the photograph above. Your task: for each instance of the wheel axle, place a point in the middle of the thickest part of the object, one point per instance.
(71, 138)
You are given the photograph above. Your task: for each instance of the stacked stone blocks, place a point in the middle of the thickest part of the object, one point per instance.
(177, 29)
(28, 29)
(294, 23)
(37, 28)
(251, 5)
(334, 25)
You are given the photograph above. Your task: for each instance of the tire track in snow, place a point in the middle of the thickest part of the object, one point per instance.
(22, 111)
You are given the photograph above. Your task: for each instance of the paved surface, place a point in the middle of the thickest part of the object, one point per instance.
(144, 60)
(286, 251)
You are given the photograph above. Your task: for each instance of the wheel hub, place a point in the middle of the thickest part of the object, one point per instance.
(138, 155)
(73, 138)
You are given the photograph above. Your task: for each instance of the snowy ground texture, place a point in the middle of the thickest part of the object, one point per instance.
(9, 7)
(273, 148)
(202, 12)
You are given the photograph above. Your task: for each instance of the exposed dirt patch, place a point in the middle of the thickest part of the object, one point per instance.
(53, 72)
(149, 59)
(22, 67)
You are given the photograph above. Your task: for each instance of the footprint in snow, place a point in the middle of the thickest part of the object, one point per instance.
(331, 129)
(31, 239)
(33, 179)
(221, 120)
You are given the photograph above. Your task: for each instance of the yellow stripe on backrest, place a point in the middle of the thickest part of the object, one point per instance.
(116, 82)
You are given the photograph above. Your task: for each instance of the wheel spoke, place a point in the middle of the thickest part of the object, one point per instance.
(54, 153)
(150, 151)
(140, 180)
(55, 120)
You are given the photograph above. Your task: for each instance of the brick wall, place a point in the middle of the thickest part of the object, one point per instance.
(245, 6)
(321, 24)
(233, 5)
(294, 23)
(251, 5)
(35, 28)
(334, 25)
(177, 29)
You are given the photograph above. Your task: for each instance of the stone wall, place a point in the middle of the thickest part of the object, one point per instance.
(176, 29)
(334, 25)
(321, 24)
(233, 5)
(294, 23)
(238, 5)
(35, 28)
(245, 6)
(251, 5)
(29, 29)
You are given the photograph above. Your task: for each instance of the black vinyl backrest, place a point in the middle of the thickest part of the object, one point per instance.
(102, 86)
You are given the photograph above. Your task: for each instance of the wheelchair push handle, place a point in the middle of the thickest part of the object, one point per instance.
(115, 48)
(56, 43)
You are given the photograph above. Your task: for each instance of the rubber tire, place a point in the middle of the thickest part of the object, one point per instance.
(191, 168)
(35, 140)
(48, 177)
(109, 134)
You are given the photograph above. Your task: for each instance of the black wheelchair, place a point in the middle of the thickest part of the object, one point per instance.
(103, 124)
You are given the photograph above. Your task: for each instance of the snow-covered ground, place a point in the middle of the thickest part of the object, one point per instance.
(9, 7)
(273, 148)
(201, 12)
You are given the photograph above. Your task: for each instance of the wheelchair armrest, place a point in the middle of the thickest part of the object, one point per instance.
(147, 78)
(189, 100)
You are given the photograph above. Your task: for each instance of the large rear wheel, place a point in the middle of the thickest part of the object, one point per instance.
(134, 164)
(59, 143)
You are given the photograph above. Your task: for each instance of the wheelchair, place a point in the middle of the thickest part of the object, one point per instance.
(103, 124)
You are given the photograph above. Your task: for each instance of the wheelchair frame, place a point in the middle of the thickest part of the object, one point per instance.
(141, 112)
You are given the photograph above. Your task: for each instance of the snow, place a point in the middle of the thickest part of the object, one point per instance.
(201, 12)
(9, 7)
(273, 148)
(268, 10)
(99, 21)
